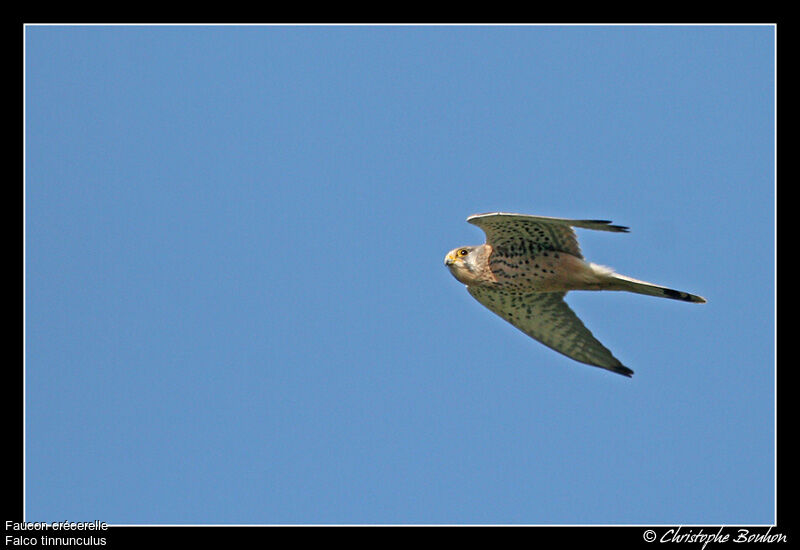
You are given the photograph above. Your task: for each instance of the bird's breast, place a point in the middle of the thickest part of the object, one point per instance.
(548, 271)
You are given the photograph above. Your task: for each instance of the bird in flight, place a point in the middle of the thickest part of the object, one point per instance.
(525, 268)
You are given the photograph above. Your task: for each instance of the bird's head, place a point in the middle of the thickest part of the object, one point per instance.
(463, 263)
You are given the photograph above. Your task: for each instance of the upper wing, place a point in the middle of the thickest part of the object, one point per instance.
(546, 317)
(535, 233)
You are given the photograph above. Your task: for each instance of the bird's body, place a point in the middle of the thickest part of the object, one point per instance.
(527, 266)
(547, 271)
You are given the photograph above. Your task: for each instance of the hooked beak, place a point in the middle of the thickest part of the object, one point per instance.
(449, 260)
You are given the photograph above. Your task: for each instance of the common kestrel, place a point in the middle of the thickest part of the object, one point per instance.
(527, 266)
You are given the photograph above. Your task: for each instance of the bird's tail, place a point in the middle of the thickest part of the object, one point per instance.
(621, 282)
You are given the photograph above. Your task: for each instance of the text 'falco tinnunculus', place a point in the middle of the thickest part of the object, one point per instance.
(527, 266)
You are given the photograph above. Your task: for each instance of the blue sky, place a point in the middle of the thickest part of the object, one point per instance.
(237, 310)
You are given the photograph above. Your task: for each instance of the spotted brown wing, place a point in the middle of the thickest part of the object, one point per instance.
(546, 317)
(534, 234)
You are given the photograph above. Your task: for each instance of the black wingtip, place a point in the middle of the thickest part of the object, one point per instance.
(685, 296)
(624, 371)
(619, 228)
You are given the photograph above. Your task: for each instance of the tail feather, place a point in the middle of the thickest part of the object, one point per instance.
(621, 282)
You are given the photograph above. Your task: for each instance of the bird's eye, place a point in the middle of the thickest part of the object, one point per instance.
(463, 252)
